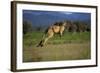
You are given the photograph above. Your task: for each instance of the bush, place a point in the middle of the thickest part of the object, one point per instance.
(27, 27)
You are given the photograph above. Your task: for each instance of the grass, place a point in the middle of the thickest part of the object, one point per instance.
(33, 38)
(69, 47)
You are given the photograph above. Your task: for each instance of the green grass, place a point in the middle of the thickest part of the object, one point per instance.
(71, 46)
(33, 38)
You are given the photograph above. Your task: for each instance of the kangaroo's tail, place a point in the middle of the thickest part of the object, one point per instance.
(41, 43)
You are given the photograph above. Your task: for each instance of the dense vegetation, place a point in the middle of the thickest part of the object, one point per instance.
(71, 26)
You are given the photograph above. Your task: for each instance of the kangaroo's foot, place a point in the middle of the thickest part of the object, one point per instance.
(39, 46)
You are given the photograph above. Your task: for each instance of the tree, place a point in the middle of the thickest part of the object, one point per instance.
(70, 26)
(81, 26)
(27, 27)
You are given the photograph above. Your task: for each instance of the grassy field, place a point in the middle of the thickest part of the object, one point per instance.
(70, 47)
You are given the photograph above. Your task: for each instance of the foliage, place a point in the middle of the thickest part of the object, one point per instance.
(82, 26)
(27, 27)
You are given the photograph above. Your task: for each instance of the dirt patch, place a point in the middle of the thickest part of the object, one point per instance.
(71, 51)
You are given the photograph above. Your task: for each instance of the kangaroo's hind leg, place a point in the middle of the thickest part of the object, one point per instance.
(45, 39)
(50, 35)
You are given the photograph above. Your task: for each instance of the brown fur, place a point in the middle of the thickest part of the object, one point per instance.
(58, 27)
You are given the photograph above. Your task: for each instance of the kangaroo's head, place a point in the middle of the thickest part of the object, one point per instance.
(67, 24)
